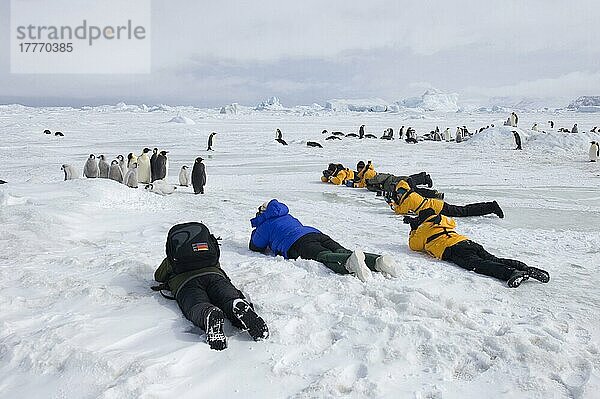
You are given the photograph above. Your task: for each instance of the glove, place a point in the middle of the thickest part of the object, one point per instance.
(349, 183)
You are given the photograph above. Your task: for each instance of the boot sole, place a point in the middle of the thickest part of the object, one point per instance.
(256, 326)
(215, 335)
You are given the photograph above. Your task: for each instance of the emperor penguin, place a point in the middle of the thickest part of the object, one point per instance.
(210, 141)
(184, 176)
(199, 176)
(143, 163)
(594, 151)
(575, 129)
(122, 165)
(517, 140)
(162, 165)
(459, 135)
(551, 123)
(361, 132)
(47, 131)
(153, 164)
(131, 158)
(401, 132)
(90, 169)
(115, 172)
(160, 187)
(70, 172)
(103, 167)
(594, 129)
(131, 178)
(535, 127)
(279, 137)
(447, 135)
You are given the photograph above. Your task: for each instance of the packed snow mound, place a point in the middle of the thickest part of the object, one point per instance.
(358, 105)
(589, 108)
(270, 104)
(585, 102)
(433, 100)
(183, 120)
(501, 137)
(230, 109)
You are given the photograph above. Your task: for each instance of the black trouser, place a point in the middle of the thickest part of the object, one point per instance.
(477, 209)
(198, 296)
(472, 256)
(322, 248)
(418, 179)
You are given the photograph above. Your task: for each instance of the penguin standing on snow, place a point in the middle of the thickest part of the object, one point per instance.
(447, 135)
(115, 173)
(162, 165)
(279, 137)
(121, 160)
(103, 167)
(361, 132)
(153, 164)
(90, 170)
(143, 163)
(184, 176)
(551, 123)
(210, 141)
(198, 176)
(70, 172)
(131, 159)
(131, 178)
(594, 151)
(401, 132)
(517, 140)
(575, 129)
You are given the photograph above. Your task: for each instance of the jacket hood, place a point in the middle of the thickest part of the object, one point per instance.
(274, 209)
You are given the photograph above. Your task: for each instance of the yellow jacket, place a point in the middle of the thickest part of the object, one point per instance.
(434, 235)
(411, 202)
(363, 175)
(342, 176)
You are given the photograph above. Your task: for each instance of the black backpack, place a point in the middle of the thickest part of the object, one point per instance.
(191, 246)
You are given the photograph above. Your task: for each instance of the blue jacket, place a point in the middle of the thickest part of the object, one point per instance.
(277, 229)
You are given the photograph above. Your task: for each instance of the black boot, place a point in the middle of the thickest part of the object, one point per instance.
(256, 326)
(538, 274)
(215, 336)
(516, 278)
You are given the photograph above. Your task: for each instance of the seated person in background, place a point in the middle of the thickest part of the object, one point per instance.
(406, 200)
(281, 233)
(434, 233)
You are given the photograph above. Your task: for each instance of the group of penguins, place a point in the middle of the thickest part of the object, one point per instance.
(149, 170)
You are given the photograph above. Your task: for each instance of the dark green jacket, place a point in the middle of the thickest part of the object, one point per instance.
(164, 274)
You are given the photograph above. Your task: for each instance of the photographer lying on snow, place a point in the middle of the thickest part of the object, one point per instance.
(204, 293)
(283, 234)
(434, 233)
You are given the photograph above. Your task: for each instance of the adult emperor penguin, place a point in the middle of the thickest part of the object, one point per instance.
(131, 178)
(447, 135)
(131, 159)
(210, 141)
(47, 131)
(90, 169)
(153, 164)
(279, 137)
(122, 164)
(551, 123)
(517, 140)
(594, 151)
(70, 172)
(115, 172)
(535, 127)
(184, 176)
(575, 129)
(361, 132)
(103, 167)
(162, 165)
(143, 161)
(199, 176)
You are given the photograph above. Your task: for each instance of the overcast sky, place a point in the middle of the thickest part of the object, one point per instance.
(214, 53)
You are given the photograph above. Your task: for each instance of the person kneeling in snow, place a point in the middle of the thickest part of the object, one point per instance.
(204, 293)
(283, 234)
(406, 200)
(434, 233)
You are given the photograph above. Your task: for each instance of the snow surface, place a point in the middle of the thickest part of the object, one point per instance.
(78, 320)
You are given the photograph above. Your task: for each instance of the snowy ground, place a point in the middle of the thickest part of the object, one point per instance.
(78, 320)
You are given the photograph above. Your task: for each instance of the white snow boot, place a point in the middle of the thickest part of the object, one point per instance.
(386, 264)
(356, 265)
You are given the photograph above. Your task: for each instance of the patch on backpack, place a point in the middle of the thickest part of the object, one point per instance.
(200, 246)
